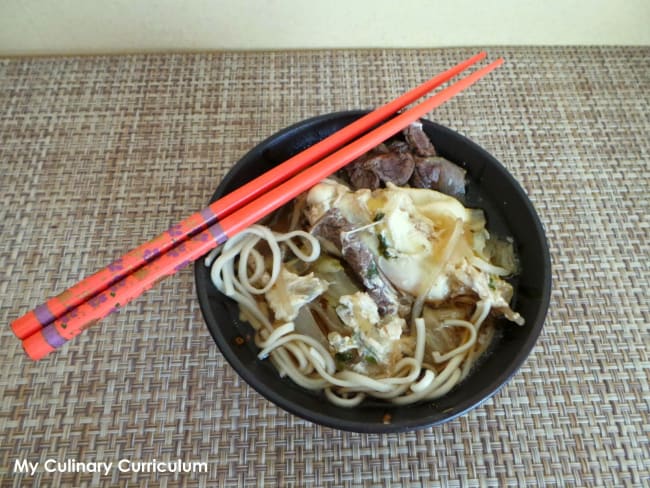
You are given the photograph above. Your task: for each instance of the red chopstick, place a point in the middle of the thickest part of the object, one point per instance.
(89, 287)
(70, 325)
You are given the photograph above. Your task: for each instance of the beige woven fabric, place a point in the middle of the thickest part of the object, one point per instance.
(97, 154)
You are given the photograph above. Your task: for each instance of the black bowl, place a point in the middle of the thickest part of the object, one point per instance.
(509, 213)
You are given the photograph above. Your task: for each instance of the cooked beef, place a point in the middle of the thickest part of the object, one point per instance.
(361, 177)
(369, 172)
(418, 140)
(334, 228)
(331, 227)
(393, 167)
(414, 162)
(398, 146)
(437, 173)
(426, 174)
(363, 262)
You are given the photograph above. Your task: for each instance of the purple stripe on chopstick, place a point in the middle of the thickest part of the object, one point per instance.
(43, 314)
(208, 215)
(53, 337)
(217, 232)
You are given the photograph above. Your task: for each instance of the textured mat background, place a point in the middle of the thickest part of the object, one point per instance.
(98, 154)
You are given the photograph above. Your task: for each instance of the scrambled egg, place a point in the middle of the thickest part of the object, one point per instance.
(488, 287)
(371, 336)
(291, 291)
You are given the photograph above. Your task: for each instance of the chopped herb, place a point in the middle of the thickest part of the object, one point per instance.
(383, 244)
(379, 216)
(344, 357)
(384, 248)
(368, 353)
(492, 284)
(372, 270)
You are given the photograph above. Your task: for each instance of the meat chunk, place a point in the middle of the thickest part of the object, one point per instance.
(331, 226)
(437, 173)
(363, 262)
(369, 172)
(361, 177)
(358, 174)
(335, 229)
(413, 161)
(392, 167)
(398, 146)
(418, 140)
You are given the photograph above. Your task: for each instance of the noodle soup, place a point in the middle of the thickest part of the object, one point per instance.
(377, 283)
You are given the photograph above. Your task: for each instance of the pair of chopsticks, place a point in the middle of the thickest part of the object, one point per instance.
(52, 324)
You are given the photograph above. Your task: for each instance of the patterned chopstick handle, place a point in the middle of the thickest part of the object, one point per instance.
(63, 303)
(71, 324)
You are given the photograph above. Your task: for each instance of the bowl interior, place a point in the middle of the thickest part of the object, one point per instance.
(508, 212)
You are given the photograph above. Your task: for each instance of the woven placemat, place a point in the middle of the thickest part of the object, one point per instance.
(98, 154)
